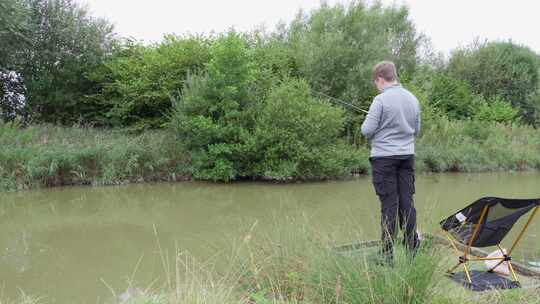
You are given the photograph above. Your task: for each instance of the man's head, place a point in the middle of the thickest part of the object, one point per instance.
(384, 74)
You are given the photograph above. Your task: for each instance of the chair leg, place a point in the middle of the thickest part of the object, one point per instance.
(467, 272)
(513, 272)
(462, 259)
(451, 270)
(523, 230)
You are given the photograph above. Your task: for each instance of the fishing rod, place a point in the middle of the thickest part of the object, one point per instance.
(341, 101)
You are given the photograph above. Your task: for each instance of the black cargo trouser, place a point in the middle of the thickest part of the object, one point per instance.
(393, 179)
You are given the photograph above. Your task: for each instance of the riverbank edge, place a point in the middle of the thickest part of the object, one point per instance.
(44, 156)
(180, 179)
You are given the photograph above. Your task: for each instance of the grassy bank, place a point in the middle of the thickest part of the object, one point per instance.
(46, 156)
(296, 264)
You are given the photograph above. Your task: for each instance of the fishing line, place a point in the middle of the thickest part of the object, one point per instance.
(341, 101)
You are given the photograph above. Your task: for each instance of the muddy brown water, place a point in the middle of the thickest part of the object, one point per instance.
(75, 244)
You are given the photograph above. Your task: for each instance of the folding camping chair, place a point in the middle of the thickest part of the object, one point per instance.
(485, 223)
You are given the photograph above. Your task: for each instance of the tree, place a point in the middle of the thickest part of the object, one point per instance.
(502, 69)
(12, 31)
(65, 43)
(336, 47)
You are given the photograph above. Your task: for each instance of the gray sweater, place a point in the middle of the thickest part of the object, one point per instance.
(393, 122)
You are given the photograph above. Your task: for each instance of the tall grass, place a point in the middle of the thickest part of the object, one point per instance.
(474, 146)
(190, 283)
(294, 264)
(357, 279)
(45, 155)
(298, 265)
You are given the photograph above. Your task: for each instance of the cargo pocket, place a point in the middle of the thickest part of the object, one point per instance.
(413, 186)
(407, 182)
(378, 184)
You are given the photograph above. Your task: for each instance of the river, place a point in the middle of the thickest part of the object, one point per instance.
(75, 244)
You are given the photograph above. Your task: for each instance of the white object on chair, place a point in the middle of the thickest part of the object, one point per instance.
(502, 268)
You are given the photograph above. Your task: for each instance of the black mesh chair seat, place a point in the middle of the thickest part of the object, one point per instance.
(501, 216)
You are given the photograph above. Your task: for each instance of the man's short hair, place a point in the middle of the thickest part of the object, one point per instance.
(386, 70)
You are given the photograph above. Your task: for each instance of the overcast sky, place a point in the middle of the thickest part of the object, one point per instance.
(449, 23)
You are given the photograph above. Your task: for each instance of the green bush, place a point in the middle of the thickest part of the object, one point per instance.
(298, 136)
(431, 114)
(496, 110)
(138, 82)
(274, 61)
(213, 117)
(452, 96)
(237, 122)
(530, 111)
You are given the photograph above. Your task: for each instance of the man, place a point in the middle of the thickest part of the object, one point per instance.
(391, 125)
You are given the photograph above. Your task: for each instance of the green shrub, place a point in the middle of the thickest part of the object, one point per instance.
(530, 111)
(336, 47)
(452, 96)
(298, 136)
(236, 124)
(496, 110)
(274, 61)
(431, 114)
(139, 82)
(213, 118)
